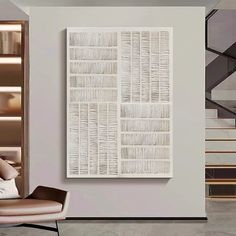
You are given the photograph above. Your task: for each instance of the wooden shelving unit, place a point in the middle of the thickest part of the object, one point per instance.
(14, 98)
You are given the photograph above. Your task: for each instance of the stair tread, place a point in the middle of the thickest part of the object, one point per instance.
(222, 197)
(220, 139)
(217, 118)
(220, 151)
(220, 181)
(220, 166)
(234, 128)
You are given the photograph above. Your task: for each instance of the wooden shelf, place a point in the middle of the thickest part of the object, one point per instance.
(10, 118)
(10, 60)
(10, 55)
(10, 27)
(10, 89)
(9, 146)
(14, 148)
(13, 113)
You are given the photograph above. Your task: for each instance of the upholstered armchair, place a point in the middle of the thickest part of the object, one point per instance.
(44, 204)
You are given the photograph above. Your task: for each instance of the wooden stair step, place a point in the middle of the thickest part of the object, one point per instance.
(222, 197)
(220, 166)
(220, 151)
(221, 128)
(221, 139)
(220, 181)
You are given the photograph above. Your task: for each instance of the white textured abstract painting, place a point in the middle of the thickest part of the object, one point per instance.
(119, 102)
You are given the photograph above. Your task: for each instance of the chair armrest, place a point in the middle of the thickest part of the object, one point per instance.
(53, 194)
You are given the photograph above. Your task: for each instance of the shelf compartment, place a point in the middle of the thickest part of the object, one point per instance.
(10, 40)
(10, 102)
(11, 75)
(10, 131)
(11, 154)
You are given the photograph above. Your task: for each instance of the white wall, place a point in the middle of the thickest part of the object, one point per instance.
(182, 196)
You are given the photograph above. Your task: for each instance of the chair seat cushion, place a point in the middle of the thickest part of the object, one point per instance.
(20, 207)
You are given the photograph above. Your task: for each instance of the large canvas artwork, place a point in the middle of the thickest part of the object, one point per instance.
(119, 102)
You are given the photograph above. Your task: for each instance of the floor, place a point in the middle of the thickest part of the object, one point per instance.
(221, 222)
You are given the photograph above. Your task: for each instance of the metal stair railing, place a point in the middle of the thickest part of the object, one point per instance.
(208, 99)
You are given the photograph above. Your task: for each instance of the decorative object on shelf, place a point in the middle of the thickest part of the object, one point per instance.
(4, 101)
(119, 102)
(11, 154)
(10, 43)
(10, 39)
(10, 103)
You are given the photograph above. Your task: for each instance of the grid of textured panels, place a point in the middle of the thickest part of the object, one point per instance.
(145, 103)
(119, 102)
(92, 120)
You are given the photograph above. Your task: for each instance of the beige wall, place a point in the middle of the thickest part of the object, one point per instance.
(226, 4)
(9, 11)
(182, 196)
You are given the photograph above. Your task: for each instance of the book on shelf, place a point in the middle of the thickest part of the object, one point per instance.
(10, 42)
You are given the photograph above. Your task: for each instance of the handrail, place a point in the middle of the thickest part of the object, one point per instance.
(219, 105)
(212, 12)
(220, 53)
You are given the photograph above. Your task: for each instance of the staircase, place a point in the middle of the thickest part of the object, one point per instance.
(220, 148)
(220, 156)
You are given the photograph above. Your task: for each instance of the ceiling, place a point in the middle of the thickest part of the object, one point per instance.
(209, 4)
(28, 3)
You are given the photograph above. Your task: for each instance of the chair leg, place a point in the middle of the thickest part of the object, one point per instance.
(58, 232)
(42, 227)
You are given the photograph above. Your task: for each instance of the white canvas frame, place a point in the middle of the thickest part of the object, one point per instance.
(119, 30)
